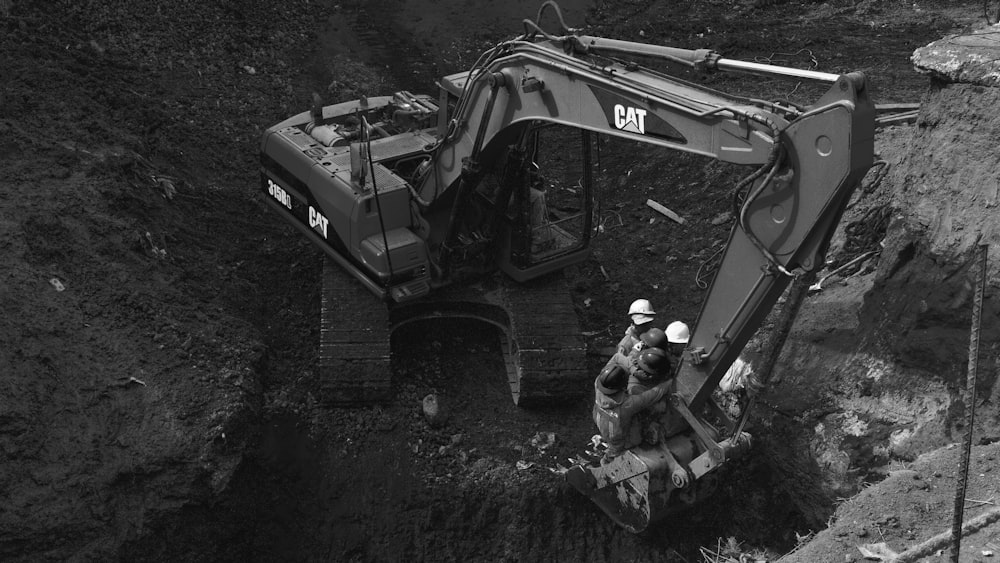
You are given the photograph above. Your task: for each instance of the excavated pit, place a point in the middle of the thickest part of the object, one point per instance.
(384, 484)
(162, 405)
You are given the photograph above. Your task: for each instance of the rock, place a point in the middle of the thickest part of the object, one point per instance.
(433, 411)
(961, 58)
(721, 218)
(543, 440)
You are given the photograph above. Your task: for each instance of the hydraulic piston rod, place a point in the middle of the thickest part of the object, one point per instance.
(733, 65)
(704, 59)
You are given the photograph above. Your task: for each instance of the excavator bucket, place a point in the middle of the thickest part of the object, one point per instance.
(635, 489)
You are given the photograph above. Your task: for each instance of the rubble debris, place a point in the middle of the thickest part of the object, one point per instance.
(722, 218)
(166, 185)
(543, 440)
(877, 552)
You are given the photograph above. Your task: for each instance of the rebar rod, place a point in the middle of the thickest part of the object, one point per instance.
(970, 404)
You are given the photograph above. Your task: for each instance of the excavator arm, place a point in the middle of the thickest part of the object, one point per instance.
(807, 163)
(808, 160)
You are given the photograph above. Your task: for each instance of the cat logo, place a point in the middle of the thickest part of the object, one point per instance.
(630, 119)
(318, 221)
(634, 117)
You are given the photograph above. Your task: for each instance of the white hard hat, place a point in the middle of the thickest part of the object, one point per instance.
(641, 311)
(641, 307)
(678, 333)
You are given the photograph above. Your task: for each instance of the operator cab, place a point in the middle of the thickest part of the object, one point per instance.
(541, 182)
(547, 224)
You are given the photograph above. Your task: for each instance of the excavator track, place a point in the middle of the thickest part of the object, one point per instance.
(544, 352)
(354, 357)
(550, 352)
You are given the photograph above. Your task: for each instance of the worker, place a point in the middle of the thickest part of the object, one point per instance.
(614, 410)
(542, 233)
(652, 338)
(652, 367)
(678, 335)
(641, 314)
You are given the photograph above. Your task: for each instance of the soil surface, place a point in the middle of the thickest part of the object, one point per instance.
(160, 325)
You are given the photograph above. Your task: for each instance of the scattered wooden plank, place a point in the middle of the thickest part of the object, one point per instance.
(885, 108)
(666, 212)
(894, 119)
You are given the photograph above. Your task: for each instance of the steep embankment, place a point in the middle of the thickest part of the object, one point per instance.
(882, 384)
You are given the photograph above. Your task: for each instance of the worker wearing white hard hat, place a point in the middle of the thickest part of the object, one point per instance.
(678, 335)
(642, 315)
(641, 311)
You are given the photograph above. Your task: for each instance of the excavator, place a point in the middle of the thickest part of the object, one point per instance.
(439, 207)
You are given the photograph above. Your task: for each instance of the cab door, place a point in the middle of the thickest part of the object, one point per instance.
(549, 218)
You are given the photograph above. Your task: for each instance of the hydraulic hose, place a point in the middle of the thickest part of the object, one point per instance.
(773, 164)
(538, 19)
(470, 168)
(378, 200)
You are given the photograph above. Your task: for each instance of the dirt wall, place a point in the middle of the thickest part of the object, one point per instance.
(877, 364)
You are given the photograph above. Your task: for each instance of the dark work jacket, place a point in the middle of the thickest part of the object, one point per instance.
(613, 415)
